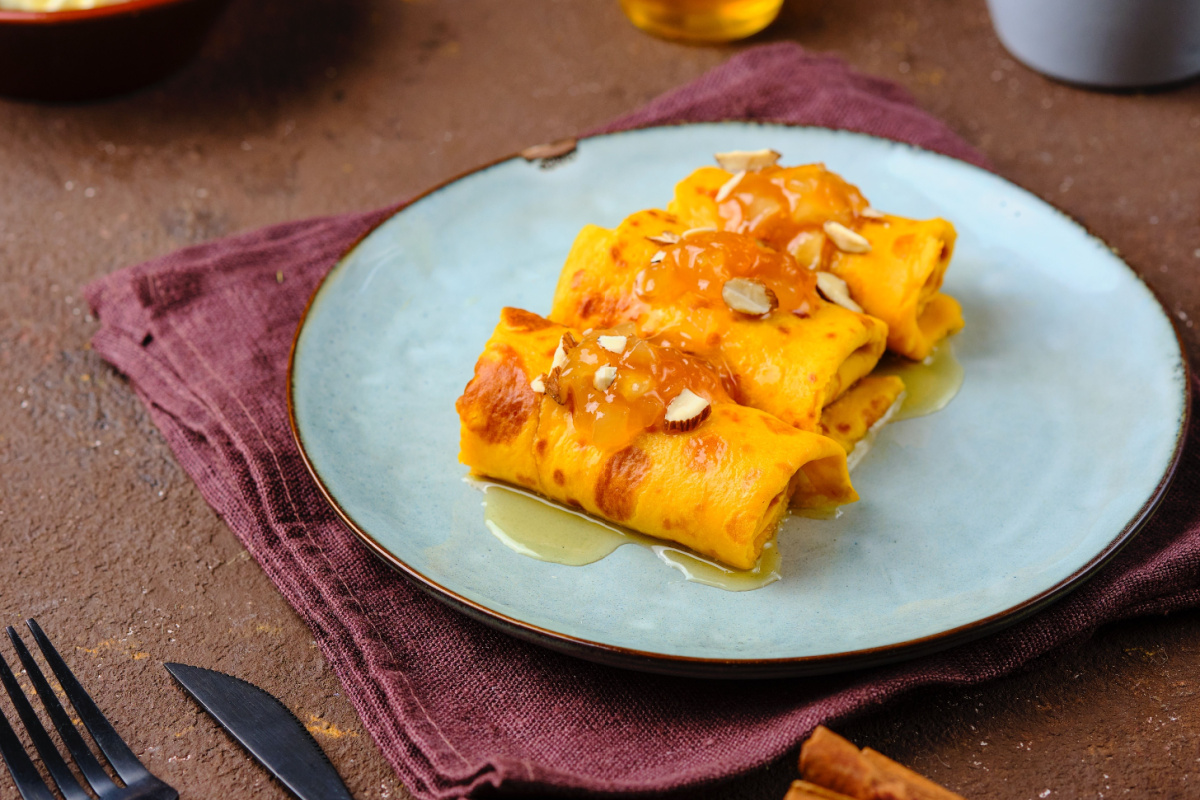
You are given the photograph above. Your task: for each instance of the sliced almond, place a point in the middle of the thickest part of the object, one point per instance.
(835, 290)
(871, 213)
(807, 247)
(749, 296)
(657, 257)
(613, 344)
(665, 238)
(560, 354)
(604, 377)
(538, 384)
(729, 185)
(846, 240)
(705, 229)
(747, 160)
(553, 390)
(687, 411)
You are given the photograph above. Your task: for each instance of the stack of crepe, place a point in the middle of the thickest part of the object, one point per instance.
(749, 314)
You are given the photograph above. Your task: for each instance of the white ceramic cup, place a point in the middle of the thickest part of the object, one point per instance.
(1107, 43)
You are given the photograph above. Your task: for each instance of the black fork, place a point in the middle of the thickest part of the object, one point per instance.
(139, 783)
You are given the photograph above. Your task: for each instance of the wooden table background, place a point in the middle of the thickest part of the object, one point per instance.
(305, 107)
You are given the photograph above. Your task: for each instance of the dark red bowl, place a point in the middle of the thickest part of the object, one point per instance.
(99, 52)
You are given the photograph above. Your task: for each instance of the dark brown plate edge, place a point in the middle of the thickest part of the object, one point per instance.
(800, 666)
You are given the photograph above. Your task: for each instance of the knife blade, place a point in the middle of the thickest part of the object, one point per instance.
(265, 727)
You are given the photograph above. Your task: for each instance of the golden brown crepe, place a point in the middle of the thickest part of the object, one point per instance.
(788, 208)
(720, 487)
(900, 278)
(852, 416)
(791, 362)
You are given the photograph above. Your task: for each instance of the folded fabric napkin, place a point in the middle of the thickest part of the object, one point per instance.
(203, 335)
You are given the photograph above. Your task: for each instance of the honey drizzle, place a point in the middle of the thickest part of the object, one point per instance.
(929, 385)
(538, 528)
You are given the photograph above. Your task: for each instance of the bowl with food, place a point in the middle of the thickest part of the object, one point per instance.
(73, 50)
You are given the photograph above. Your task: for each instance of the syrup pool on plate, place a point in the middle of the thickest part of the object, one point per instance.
(929, 385)
(546, 531)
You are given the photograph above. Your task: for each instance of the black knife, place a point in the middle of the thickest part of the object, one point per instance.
(267, 730)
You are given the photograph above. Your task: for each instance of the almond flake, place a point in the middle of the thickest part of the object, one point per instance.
(871, 213)
(665, 238)
(604, 377)
(835, 290)
(560, 354)
(687, 411)
(560, 357)
(613, 344)
(747, 160)
(705, 229)
(538, 384)
(846, 240)
(553, 390)
(729, 186)
(749, 296)
(657, 257)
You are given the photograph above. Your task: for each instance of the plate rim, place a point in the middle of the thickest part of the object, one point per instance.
(792, 666)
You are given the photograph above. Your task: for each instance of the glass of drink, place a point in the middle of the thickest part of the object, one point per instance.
(702, 20)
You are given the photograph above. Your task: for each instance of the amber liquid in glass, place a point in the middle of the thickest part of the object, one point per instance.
(702, 20)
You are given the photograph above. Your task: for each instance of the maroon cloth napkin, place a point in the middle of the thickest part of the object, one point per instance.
(203, 335)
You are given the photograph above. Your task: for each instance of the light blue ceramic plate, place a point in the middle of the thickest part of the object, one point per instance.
(1057, 449)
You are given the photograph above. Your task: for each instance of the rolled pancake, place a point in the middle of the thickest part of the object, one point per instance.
(852, 416)
(898, 281)
(719, 489)
(790, 364)
(498, 411)
(785, 207)
(900, 278)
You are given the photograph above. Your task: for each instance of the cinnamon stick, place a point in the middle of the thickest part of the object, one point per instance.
(803, 790)
(828, 760)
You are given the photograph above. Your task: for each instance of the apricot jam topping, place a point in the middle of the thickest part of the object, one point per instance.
(787, 206)
(696, 268)
(611, 410)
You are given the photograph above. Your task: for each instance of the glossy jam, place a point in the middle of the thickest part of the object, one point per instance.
(696, 269)
(538, 528)
(648, 378)
(929, 385)
(787, 207)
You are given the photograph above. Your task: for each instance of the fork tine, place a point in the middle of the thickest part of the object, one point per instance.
(111, 744)
(53, 760)
(87, 763)
(24, 773)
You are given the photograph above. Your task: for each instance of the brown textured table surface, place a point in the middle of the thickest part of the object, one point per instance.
(304, 107)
